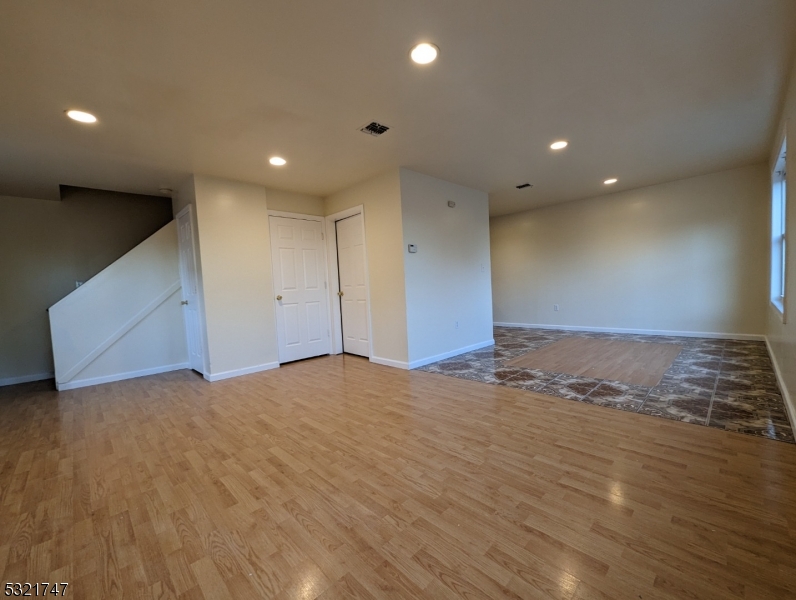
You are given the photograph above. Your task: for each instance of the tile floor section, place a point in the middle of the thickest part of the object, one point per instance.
(726, 384)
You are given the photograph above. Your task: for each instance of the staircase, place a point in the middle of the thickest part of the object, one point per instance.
(126, 321)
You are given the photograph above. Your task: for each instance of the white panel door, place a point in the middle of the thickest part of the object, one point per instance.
(297, 252)
(190, 291)
(353, 291)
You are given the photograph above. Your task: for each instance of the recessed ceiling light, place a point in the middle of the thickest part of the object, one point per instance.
(424, 53)
(277, 161)
(610, 181)
(559, 145)
(79, 115)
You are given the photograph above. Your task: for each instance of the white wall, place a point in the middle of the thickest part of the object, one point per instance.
(235, 256)
(782, 336)
(293, 202)
(381, 199)
(124, 322)
(449, 278)
(688, 256)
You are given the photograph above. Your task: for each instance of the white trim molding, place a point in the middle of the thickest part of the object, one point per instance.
(422, 362)
(26, 378)
(388, 362)
(697, 334)
(790, 408)
(239, 372)
(80, 383)
(292, 215)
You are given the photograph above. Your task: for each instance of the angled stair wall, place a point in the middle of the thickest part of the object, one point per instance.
(124, 322)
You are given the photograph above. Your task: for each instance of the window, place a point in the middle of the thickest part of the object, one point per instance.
(778, 239)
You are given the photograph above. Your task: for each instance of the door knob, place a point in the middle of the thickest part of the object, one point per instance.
(341, 294)
(279, 297)
(184, 302)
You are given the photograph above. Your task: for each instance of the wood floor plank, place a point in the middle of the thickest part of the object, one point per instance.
(337, 478)
(635, 363)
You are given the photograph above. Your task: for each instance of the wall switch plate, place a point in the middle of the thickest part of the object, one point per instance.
(555, 307)
(412, 248)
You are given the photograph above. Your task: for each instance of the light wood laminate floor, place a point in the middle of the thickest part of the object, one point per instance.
(337, 478)
(635, 363)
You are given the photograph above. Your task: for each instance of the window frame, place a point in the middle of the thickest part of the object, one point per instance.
(779, 231)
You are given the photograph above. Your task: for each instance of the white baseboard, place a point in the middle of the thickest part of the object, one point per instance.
(697, 334)
(421, 362)
(400, 364)
(789, 406)
(71, 385)
(388, 362)
(25, 378)
(239, 372)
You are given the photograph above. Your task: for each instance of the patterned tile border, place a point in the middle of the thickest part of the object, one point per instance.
(725, 384)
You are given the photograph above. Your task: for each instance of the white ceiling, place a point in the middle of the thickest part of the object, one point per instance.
(644, 90)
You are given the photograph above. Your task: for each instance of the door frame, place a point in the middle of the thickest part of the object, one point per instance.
(325, 258)
(335, 318)
(200, 294)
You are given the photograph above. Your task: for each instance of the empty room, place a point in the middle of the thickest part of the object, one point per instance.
(370, 299)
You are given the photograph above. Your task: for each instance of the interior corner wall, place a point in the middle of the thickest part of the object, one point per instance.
(782, 336)
(448, 279)
(303, 204)
(687, 256)
(381, 199)
(185, 195)
(46, 246)
(237, 286)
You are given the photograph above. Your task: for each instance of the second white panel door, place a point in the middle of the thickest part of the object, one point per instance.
(353, 289)
(190, 291)
(297, 252)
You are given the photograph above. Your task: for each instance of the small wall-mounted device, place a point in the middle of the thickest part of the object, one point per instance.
(451, 203)
(412, 248)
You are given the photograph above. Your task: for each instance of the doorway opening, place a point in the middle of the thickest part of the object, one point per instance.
(350, 322)
(191, 297)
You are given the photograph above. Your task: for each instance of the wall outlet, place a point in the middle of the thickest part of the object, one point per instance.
(456, 326)
(555, 307)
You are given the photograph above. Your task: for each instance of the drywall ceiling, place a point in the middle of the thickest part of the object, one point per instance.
(644, 90)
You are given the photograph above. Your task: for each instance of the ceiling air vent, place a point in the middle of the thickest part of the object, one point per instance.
(374, 128)
(522, 186)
